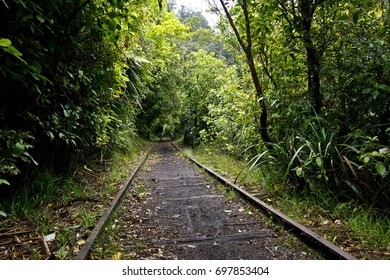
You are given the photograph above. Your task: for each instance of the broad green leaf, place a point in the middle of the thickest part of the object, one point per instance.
(12, 50)
(319, 162)
(381, 169)
(5, 42)
(3, 214)
(299, 171)
(19, 149)
(383, 87)
(41, 18)
(4, 182)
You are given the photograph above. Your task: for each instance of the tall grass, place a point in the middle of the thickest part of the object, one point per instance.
(320, 163)
(365, 168)
(41, 190)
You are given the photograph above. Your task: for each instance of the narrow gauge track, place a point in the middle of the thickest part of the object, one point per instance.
(112, 207)
(327, 248)
(185, 217)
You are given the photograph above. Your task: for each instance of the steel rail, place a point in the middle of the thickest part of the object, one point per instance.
(335, 251)
(101, 224)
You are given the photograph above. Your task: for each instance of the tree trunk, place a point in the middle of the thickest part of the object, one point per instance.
(247, 48)
(313, 73)
(307, 9)
(259, 96)
(160, 8)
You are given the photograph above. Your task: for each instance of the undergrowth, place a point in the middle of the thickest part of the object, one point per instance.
(69, 205)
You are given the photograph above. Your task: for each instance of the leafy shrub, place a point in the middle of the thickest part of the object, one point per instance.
(366, 168)
(322, 164)
(67, 70)
(14, 148)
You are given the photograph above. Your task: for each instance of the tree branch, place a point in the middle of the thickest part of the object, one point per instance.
(285, 12)
(234, 27)
(5, 4)
(247, 25)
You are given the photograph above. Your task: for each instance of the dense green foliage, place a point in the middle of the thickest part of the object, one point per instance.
(299, 88)
(69, 79)
(185, 60)
(161, 105)
(324, 73)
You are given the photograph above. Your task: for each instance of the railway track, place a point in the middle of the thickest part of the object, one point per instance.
(327, 248)
(184, 216)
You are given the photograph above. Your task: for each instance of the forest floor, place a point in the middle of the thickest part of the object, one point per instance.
(175, 211)
(172, 211)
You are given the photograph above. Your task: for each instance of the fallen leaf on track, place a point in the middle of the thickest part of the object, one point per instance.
(81, 242)
(50, 237)
(117, 256)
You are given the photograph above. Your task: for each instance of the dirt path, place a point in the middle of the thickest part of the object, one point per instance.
(174, 211)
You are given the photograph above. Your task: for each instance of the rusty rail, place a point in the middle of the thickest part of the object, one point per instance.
(332, 249)
(101, 224)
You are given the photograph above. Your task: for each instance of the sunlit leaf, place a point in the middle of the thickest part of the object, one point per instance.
(12, 50)
(381, 169)
(319, 162)
(117, 256)
(50, 237)
(4, 182)
(81, 242)
(5, 42)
